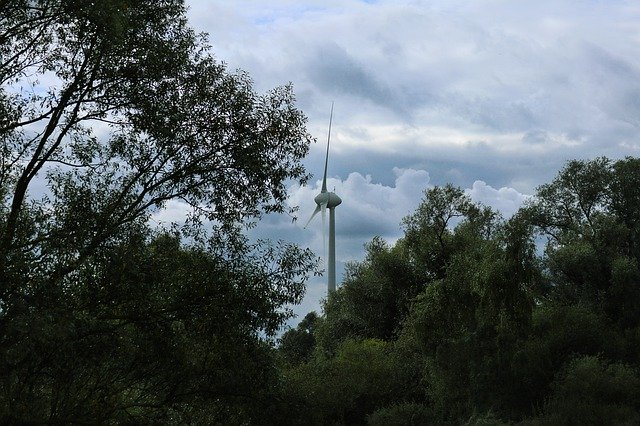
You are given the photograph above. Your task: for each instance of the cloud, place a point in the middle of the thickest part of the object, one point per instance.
(448, 73)
(174, 211)
(335, 71)
(505, 200)
(368, 208)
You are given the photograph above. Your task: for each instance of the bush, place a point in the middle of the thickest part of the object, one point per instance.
(408, 413)
(590, 390)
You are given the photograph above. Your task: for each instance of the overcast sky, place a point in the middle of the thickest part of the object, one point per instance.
(493, 96)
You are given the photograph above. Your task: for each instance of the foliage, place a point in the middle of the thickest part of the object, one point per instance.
(296, 345)
(428, 232)
(484, 327)
(159, 331)
(590, 390)
(402, 414)
(374, 297)
(108, 111)
(588, 214)
(135, 112)
(346, 387)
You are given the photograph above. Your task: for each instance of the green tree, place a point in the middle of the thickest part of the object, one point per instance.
(428, 231)
(474, 326)
(558, 334)
(376, 294)
(467, 322)
(345, 387)
(589, 213)
(172, 122)
(374, 297)
(155, 330)
(406, 414)
(590, 390)
(297, 345)
(108, 110)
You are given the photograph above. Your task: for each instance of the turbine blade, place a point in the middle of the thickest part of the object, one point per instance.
(326, 160)
(324, 229)
(315, 212)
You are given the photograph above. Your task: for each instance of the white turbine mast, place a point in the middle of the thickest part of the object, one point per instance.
(328, 200)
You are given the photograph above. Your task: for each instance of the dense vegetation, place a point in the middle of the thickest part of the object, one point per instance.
(466, 320)
(110, 110)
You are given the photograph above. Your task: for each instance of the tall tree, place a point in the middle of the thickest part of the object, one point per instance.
(121, 106)
(374, 297)
(589, 213)
(108, 110)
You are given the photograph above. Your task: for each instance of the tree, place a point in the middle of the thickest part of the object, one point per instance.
(134, 112)
(402, 414)
(343, 388)
(589, 213)
(297, 345)
(108, 110)
(428, 231)
(473, 325)
(593, 391)
(467, 322)
(374, 297)
(155, 330)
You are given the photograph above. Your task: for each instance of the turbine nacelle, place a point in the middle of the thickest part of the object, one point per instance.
(328, 199)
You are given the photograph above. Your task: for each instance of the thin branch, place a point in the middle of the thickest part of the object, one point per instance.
(79, 166)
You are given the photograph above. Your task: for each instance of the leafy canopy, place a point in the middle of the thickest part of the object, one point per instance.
(108, 111)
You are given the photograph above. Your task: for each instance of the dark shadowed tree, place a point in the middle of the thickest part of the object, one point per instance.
(589, 212)
(109, 110)
(473, 324)
(374, 297)
(469, 318)
(122, 108)
(297, 344)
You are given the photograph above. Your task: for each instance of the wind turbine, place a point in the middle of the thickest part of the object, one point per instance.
(328, 200)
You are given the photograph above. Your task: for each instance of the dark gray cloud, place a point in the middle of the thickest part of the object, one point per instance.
(334, 71)
(535, 137)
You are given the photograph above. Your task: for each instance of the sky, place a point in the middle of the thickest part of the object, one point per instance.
(493, 96)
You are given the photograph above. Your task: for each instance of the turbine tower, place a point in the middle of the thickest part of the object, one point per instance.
(328, 200)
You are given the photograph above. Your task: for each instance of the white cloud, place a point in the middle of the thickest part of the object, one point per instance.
(174, 211)
(368, 208)
(505, 200)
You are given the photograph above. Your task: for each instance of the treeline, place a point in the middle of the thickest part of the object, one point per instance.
(473, 319)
